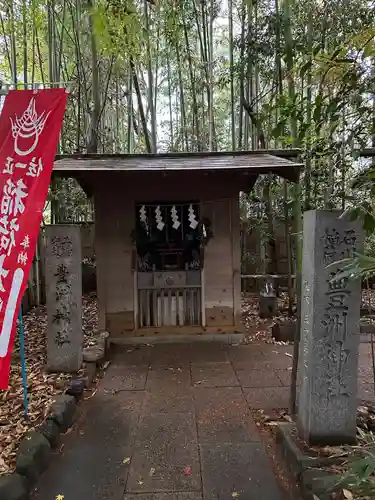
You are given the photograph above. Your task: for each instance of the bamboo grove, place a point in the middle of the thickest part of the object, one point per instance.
(179, 75)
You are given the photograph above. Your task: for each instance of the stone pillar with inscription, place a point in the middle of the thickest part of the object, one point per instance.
(328, 355)
(64, 298)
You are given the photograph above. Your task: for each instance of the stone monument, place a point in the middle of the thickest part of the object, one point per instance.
(64, 298)
(330, 314)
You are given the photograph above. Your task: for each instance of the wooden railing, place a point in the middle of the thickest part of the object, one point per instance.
(172, 306)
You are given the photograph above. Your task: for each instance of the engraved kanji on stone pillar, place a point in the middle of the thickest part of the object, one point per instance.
(64, 297)
(330, 309)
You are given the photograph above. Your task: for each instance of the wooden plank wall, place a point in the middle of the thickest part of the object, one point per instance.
(114, 222)
(218, 264)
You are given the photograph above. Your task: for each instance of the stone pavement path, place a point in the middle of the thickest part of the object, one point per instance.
(173, 422)
(179, 414)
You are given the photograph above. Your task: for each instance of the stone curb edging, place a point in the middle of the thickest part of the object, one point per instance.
(36, 446)
(306, 469)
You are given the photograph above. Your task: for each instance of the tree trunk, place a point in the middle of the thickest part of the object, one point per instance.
(93, 143)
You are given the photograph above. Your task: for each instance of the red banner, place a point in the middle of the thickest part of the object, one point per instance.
(30, 124)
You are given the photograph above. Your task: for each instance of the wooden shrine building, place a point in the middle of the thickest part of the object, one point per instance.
(167, 236)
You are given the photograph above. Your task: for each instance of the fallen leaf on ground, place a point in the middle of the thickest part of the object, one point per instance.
(43, 387)
(347, 494)
(288, 418)
(152, 471)
(289, 355)
(235, 494)
(60, 497)
(126, 460)
(92, 395)
(187, 470)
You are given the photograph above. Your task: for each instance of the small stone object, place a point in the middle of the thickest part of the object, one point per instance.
(75, 387)
(13, 487)
(50, 431)
(267, 306)
(93, 354)
(367, 327)
(284, 331)
(62, 411)
(267, 300)
(33, 456)
(104, 341)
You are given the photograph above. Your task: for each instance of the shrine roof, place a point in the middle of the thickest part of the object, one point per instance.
(252, 162)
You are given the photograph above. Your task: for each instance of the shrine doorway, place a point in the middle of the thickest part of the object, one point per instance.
(168, 274)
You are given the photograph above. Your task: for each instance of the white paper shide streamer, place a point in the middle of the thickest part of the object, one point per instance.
(192, 217)
(159, 219)
(143, 217)
(174, 216)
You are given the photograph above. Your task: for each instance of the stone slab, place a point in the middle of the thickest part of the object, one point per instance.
(267, 398)
(51, 431)
(238, 468)
(93, 353)
(365, 350)
(366, 392)
(206, 338)
(365, 338)
(270, 360)
(166, 444)
(365, 372)
(90, 466)
(62, 410)
(13, 487)
(63, 268)
(169, 400)
(33, 456)
(258, 378)
(164, 496)
(214, 375)
(169, 355)
(160, 378)
(208, 353)
(131, 355)
(330, 317)
(223, 416)
(277, 349)
(124, 378)
(247, 354)
(285, 377)
(295, 459)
